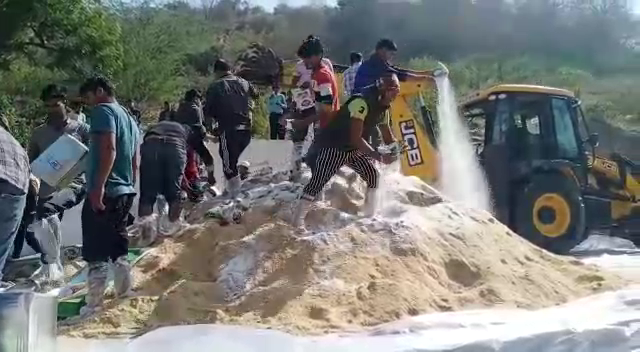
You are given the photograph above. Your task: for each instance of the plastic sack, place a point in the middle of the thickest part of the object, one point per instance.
(161, 208)
(567, 328)
(47, 232)
(164, 226)
(147, 230)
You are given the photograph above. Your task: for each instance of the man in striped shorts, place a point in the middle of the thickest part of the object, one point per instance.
(343, 142)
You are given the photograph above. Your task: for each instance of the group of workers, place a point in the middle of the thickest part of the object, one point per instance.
(117, 150)
(345, 134)
(107, 186)
(118, 155)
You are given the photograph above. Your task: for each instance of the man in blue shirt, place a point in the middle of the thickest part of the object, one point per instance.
(379, 64)
(276, 103)
(111, 176)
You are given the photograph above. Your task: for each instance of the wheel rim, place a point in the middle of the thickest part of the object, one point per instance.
(551, 215)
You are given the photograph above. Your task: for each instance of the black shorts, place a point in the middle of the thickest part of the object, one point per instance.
(299, 134)
(104, 234)
(162, 164)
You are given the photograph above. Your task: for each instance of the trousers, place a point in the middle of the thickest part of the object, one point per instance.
(12, 209)
(162, 164)
(196, 141)
(276, 130)
(104, 233)
(38, 209)
(232, 143)
(327, 163)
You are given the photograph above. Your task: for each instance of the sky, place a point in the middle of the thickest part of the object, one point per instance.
(270, 4)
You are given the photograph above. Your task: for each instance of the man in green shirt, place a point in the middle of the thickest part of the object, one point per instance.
(111, 177)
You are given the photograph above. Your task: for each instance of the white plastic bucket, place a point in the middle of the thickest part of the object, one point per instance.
(61, 162)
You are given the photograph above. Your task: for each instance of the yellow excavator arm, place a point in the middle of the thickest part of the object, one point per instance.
(420, 158)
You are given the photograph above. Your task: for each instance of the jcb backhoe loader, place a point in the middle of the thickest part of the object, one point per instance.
(546, 181)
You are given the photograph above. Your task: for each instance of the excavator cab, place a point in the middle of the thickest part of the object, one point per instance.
(539, 158)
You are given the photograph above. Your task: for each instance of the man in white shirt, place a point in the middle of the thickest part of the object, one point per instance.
(74, 112)
(350, 73)
(302, 77)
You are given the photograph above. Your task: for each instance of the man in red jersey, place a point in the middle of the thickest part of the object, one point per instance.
(325, 91)
(323, 83)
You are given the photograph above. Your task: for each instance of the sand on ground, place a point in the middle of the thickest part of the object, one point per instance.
(420, 254)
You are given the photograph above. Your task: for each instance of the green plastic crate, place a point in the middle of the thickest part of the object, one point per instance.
(70, 307)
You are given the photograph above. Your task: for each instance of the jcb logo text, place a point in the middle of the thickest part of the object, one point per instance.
(408, 131)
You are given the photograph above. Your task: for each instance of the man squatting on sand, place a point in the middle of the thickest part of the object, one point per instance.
(343, 142)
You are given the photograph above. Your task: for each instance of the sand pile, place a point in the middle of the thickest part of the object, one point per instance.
(421, 254)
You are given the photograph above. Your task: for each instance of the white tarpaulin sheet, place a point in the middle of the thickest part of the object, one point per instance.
(609, 322)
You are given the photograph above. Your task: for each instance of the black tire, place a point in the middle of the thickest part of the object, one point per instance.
(550, 213)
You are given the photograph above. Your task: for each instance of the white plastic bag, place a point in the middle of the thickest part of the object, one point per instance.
(147, 230)
(47, 232)
(164, 226)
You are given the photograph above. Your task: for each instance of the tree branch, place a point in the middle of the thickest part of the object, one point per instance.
(25, 44)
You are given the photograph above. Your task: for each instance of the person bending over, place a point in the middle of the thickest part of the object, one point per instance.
(190, 113)
(342, 143)
(163, 156)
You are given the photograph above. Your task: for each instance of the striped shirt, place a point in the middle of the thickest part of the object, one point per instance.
(349, 78)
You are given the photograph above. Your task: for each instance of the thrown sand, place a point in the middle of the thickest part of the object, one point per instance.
(421, 254)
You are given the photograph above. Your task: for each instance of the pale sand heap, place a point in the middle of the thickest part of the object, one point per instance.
(421, 254)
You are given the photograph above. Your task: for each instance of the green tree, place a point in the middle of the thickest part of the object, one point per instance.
(79, 35)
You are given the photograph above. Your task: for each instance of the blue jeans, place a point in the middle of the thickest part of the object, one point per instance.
(11, 210)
